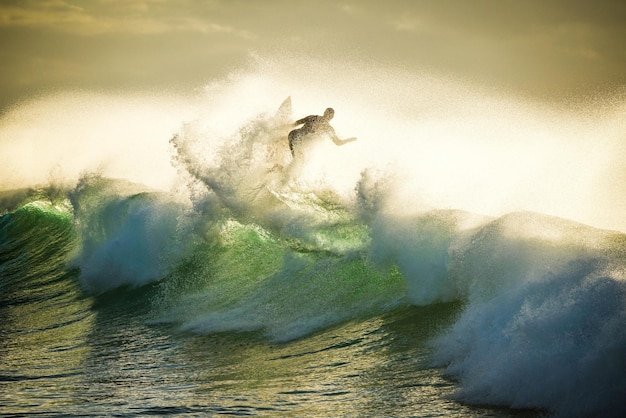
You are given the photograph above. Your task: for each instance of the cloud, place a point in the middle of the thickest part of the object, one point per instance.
(50, 12)
(545, 49)
(115, 16)
(407, 23)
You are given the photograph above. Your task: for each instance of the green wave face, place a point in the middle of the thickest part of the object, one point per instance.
(252, 281)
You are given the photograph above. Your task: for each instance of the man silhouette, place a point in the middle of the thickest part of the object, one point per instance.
(315, 124)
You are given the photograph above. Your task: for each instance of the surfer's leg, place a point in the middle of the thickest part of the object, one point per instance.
(293, 139)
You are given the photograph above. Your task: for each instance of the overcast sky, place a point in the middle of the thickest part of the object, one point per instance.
(540, 48)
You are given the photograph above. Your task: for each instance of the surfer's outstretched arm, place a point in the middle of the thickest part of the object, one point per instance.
(333, 136)
(338, 141)
(345, 141)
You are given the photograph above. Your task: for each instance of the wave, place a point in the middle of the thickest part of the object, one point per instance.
(544, 302)
(127, 236)
(34, 242)
(254, 242)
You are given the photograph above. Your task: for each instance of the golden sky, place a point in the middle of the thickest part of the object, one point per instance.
(540, 48)
(466, 95)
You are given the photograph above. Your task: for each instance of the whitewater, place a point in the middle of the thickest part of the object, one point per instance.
(164, 254)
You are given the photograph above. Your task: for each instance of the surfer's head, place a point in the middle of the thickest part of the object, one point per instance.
(329, 113)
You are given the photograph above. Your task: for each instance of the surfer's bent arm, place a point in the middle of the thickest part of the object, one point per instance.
(307, 119)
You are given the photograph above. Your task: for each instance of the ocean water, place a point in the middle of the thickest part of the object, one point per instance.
(261, 286)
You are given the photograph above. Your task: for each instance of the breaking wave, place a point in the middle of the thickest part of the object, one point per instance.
(249, 240)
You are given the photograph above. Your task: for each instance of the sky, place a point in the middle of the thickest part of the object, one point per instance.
(545, 49)
(492, 105)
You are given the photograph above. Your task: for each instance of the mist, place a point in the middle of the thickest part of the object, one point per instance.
(443, 142)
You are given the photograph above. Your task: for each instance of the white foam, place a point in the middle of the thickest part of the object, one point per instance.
(542, 327)
(125, 238)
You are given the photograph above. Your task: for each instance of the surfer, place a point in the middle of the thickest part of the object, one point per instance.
(315, 124)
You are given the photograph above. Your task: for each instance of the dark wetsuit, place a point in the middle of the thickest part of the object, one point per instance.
(312, 124)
